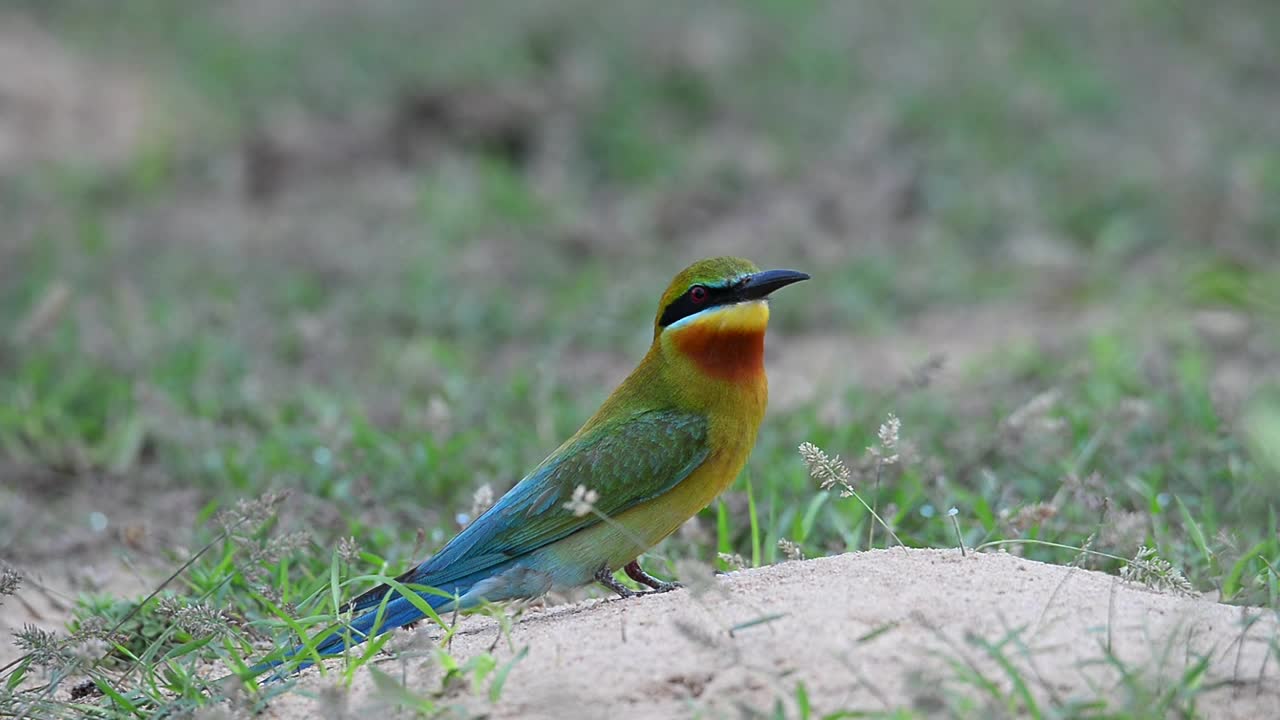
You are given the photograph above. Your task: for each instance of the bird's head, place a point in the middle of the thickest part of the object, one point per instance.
(715, 313)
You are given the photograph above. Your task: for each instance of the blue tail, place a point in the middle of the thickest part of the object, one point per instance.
(398, 613)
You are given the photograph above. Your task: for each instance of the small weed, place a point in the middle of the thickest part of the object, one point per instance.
(10, 581)
(1147, 568)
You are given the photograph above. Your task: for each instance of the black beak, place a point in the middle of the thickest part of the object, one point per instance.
(759, 285)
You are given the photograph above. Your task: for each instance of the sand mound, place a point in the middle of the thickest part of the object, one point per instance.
(865, 631)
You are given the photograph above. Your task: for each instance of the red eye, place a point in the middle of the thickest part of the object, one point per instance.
(698, 294)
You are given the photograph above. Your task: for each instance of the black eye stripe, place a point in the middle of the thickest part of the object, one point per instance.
(684, 306)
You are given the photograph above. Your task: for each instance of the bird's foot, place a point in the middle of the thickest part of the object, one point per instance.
(605, 577)
(635, 572)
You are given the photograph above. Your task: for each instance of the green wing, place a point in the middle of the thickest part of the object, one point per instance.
(625, 463)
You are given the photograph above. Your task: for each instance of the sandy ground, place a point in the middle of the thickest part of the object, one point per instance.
(866, 631)
(59, 106)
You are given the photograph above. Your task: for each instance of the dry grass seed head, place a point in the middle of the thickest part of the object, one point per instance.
(268, 552)
(199, 620)
(790, 549)
(94, 626)
(828, 471)
(10, 581)
(733, 560)
(349, 549)
(1149, 569)
(1032, 515)
(886, 451)
(44, 647)
(1035, 413)
(831, 471)
(250, 515)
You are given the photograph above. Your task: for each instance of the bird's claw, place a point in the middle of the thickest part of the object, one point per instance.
(662, 587)
(605, 577)
(637, 573)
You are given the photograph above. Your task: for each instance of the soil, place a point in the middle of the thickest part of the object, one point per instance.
(61, 108)
(867, 631)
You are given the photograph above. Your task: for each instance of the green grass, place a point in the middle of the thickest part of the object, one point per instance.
(384, 340)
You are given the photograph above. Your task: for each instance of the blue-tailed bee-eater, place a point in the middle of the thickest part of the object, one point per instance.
(669, 439)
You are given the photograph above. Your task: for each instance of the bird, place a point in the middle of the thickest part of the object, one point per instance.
(673, 436)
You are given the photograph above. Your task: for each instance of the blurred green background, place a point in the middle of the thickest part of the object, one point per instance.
(382, 253)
